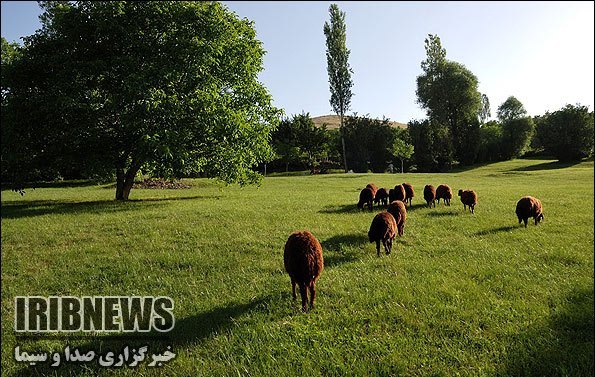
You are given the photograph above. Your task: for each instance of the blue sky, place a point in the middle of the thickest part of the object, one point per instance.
(540, 52)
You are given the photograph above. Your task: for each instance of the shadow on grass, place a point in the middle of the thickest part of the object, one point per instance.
(31, 208)
(57, 184)
(333, 248)
(442, 214)
(187, 332)
(547, 166)
(346, 208)
(497, 230)
(561, 346)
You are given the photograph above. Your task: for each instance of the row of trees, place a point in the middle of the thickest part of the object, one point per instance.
(456, 132)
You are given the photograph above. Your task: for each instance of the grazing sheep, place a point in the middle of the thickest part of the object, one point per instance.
(399, 193)
(430, 195)
(399, 212)
(381, 196)
(444, 192)
(366, 196)
(373, 187)
(383, 228)
(303, 262)
(409, 193)
(392, 195)
(529, 206)
(468, 198)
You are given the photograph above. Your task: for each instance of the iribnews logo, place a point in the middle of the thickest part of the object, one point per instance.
(93, 314)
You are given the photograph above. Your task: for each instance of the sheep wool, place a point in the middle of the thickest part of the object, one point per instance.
(468, 198)
(304, 263)
(409, 193)
(444, 192)
(529, 206)
(383, 229)
(399, 212)
(366, 196)
(430, 195)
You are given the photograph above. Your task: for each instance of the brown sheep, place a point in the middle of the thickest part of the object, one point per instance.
(409, 193)
(383, 228)
(366, 196)
(468, 198)
(399, 193)
(381, 197)
(529, 206)
(444, 192)
(373, 187)
(303, 262)
(430, 195)
(399, 212)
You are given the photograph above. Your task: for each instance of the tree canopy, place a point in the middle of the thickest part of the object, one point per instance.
(118, 86)
(448, 92)
(567, 133)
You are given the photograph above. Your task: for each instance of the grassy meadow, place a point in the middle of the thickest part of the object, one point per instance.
(461, 294)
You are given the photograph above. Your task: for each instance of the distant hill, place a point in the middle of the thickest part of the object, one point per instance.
(333, 121)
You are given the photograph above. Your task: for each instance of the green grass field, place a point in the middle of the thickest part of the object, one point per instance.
(461, 294)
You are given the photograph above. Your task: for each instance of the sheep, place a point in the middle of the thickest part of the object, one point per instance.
(366, 196)
(444, 192)
(409, 193)
(373, 187)
(381, 197)
(303, 262)
(529, 206)
(399, 193)
(430, 195)
(468, 198)
(383, 228)
(399, 212)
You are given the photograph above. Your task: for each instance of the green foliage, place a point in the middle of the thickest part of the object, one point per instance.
(567, 133)
(337, 58)
(402, 150)
(369, 143)
(449, 93)
(432, 144)
(119, 86)
(490, 142)
(460, 295)
(517, 128)
(299, 140)
(511, 109)
(339, 71)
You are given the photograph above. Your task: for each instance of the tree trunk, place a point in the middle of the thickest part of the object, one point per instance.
(119, 182)
(286, 167)
(125, 181)
(343, 144)
(401, 166)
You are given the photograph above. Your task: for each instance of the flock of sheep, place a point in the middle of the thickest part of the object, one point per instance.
(303, 253)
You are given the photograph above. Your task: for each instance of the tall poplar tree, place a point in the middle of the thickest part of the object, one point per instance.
(339, 72)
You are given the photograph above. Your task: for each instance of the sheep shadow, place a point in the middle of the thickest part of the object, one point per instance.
(346, 208)
(334, 249)
(501, 229)
(547, 166)
(442, 214)
(187, 332)
(561, 345)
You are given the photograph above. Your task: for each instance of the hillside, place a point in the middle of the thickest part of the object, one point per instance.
(332, 122)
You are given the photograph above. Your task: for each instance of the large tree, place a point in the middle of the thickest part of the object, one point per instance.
(448, 92)
(517, 127)
(116, 86)
(339, 71)
(567, 133)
